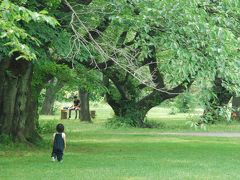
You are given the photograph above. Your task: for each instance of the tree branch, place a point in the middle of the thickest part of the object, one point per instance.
(179, 89)
(157, 77)
(92, 64)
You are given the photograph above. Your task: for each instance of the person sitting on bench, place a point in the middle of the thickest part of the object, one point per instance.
(76, 107)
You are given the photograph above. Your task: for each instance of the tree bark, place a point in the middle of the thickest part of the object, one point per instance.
(16, 100)
(223, 96)
(84, 99)
(236, 106)
(236, 102)
(54, 86)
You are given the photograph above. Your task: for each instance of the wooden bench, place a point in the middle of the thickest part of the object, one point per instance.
(63, 114)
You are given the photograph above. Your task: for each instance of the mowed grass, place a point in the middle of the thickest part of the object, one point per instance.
(97, 152)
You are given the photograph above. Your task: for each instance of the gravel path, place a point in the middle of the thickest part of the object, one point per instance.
(203, 134)
(210, 134)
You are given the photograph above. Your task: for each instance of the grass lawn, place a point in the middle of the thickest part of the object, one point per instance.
(96, 152)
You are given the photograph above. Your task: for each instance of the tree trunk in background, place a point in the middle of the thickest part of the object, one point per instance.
(17, 105)
(236, 106)
(236, 102)
(211, 113)
(54, 86)
(84, 99)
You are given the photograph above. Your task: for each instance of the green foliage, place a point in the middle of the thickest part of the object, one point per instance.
(46, 68)
(217, 114)
(202, 125)
(185, 102)
(47, 127)
(173, 110)
(119, 122)
(4, 139)
(13, 34)
(154, 124)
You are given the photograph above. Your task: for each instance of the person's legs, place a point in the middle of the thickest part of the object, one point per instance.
(54, 155)
(76, 113)
(59, 155)
(69, 113)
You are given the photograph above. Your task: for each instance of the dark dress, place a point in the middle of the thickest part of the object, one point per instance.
(58, 146)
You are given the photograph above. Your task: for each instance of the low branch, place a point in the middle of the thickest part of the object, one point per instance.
(179, 89)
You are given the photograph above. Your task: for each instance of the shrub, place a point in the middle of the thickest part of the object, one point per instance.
(118, 122)
(173, 110)
(4, 139)
(47, 127)
(154, 124)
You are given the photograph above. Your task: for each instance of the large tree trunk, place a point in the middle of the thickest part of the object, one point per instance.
(84, 99)
(17, 117)
(134, 112)
(53, 87)
(223, 96)
(128, 108)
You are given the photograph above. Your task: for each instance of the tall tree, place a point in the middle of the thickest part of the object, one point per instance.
(17, 102)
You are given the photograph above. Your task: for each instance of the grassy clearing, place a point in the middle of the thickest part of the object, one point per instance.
(95, 152)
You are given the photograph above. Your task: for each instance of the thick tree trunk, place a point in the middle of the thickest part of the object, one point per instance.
(16, 100)
(84, 99)
(131, 114)
(128, 111)
(211, 113)
(128, 108)
(54, 86)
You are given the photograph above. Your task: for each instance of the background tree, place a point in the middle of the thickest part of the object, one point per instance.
(163, 49)
(226, 83)
(54, 85)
